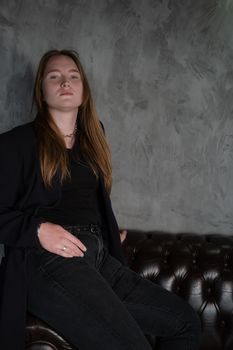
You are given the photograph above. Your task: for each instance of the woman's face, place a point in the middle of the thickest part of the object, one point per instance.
(62, 86)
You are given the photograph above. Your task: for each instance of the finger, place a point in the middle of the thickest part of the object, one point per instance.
(75, 241)
(123, 235)
(63, 253)
(68, 253)
(70, 248)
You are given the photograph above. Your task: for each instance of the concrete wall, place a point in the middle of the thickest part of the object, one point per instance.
(162, 76)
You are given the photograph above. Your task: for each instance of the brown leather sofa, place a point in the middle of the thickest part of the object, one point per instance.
(199, 268)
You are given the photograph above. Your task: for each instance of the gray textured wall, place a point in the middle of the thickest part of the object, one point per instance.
(162, 76)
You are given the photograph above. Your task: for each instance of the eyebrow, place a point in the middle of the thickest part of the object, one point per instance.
(57, 70)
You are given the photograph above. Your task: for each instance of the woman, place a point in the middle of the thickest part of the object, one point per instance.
(63, 259)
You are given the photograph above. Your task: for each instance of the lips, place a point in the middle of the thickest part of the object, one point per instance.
(66, 94)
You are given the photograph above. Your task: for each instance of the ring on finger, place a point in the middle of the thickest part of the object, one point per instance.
(64, 248)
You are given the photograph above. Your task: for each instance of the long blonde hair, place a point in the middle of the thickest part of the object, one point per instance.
(52, 150)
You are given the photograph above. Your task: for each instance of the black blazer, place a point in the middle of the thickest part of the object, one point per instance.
(21, 194)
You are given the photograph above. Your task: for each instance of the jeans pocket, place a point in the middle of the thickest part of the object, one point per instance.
(91, 241)
(44, 257)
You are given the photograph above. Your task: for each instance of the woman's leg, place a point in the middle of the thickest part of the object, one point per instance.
(73, 298)
(157, 311)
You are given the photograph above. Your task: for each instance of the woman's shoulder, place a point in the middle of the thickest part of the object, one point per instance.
(19, 135)
(19, 140)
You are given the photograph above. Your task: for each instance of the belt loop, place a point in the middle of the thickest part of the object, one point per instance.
(92, 228)
(95, 228)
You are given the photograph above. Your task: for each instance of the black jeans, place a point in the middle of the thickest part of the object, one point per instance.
(96, 303)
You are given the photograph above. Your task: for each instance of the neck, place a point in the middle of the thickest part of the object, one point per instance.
(65, 121)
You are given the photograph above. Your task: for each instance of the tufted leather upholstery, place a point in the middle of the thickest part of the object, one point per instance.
(199, 268)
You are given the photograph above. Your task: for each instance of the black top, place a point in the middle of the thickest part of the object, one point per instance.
(79, 202)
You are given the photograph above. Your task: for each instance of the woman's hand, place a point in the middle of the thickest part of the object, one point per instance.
(123, 235)
(57, 240)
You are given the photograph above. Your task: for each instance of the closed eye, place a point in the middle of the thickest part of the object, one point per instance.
(75, 77)
(54, 76)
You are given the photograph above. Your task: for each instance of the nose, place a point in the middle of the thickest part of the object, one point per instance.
(65, 83)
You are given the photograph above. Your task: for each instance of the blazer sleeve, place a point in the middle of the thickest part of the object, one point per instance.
(17, 228)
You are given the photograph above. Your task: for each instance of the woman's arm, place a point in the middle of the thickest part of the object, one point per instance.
(17, 228)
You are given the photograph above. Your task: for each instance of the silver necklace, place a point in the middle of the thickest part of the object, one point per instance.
(72, 134)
